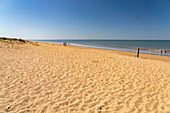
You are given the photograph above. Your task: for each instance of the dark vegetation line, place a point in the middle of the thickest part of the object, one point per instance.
(13, 39)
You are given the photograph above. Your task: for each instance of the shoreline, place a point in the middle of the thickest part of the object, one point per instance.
(131, 54)
(143, 50)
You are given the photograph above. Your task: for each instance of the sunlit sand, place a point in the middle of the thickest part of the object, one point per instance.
(51, 78)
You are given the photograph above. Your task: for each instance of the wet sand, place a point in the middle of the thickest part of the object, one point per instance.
(51, 78)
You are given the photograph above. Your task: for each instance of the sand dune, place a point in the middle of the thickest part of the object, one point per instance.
(51, 78)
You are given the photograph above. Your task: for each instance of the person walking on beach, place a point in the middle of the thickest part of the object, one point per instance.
(161, 52)
(65, 43)
(165, 53)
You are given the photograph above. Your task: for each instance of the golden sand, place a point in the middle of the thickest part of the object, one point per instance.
(51, 78)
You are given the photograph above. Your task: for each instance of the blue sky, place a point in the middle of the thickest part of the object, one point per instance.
(85, 19)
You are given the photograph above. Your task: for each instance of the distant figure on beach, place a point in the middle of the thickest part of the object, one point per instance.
(161, 52)
(65, 43)
(165, 53)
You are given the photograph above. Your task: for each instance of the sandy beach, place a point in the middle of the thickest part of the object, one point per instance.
(51, 78)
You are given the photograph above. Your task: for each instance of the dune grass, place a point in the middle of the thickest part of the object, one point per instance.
(15, 40)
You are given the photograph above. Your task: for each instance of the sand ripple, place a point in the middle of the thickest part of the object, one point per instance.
(55, 79)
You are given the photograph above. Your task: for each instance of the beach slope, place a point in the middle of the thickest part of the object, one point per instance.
(51, 78)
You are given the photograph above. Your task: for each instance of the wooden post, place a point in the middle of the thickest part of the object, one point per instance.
(138, 53)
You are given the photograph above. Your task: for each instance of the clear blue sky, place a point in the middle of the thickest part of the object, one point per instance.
(85, 19)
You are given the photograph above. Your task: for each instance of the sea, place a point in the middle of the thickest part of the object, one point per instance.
(146, 46)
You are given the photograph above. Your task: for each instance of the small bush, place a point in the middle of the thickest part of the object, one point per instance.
(21, 40)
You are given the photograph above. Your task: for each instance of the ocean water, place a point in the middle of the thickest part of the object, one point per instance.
(120, 45)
